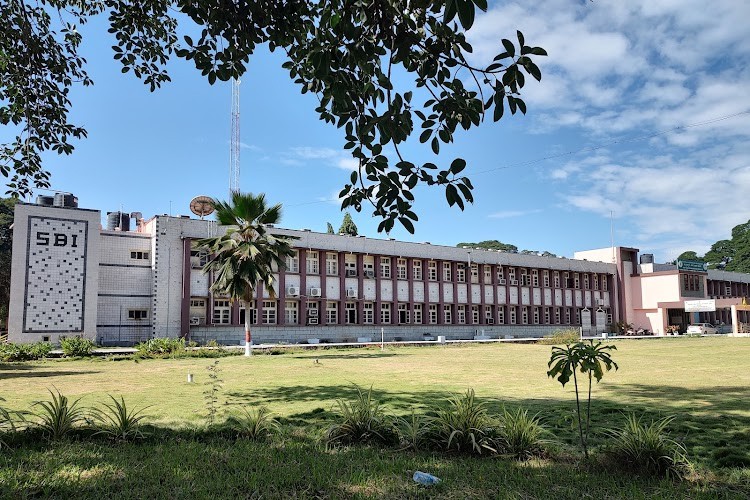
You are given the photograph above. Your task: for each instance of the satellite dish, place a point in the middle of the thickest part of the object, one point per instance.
(202, 206)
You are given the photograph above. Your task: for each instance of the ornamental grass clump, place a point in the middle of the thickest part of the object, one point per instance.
(58, 417)
(647, 448)
(256, 424)
(520, 435)
(77, 346)
(115, 421)
(10, 352)
(464, 426)
(361, 421)
(161, 347)
(415, 431)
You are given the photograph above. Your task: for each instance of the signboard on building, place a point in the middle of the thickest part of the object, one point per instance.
(692, 265)
(708, 305)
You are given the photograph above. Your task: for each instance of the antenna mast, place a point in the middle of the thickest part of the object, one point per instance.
(234, 147)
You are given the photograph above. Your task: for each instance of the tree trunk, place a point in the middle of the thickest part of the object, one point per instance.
(248, 335)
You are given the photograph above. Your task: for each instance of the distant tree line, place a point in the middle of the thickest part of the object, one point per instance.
(504, 247)
(729, 255)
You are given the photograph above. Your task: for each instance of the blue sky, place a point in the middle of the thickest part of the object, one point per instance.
(617, 76)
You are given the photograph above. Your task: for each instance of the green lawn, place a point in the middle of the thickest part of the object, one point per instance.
(704, 382)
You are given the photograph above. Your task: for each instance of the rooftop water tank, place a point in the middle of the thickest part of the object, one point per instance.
(118, 221)
(647, 258)
(66, 200)
(45, 201)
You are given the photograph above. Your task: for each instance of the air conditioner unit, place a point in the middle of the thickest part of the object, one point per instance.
(490, 321)
(502, 281)
(312, 312)
(292, 290)
(514, 282)
(370, 274)
(195, 320)
(351, 272)
(312, 321)
(314, 292)
(351, 293)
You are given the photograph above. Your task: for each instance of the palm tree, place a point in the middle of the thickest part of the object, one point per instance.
(244, 257)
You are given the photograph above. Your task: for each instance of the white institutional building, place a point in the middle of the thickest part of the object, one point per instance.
(120, 286)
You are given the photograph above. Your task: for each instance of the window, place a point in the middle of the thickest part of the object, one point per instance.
(536, 315)
(269, 312)
(432, 270)
(512, 276)
(221, 312)
(604, 283)
(576, 281)
(447, 316)
(142, 254)
(418, 314)
(137, 313)
(332, 312)
(198, 258)
(367, 313)
(385, 267)
(461, 272)
(290, 312)
(312, 312)
(487, 275)
(201, 303)
(557, 279)
(350, 313)
(475, 315)
(433, 312)
(578, 316)
(535, 277)
(416, 268)
(596, 282)
(474, 273)
(385, 313)
(447, 271)
(512, 314)
(461, 314)
(312, 263)
(292, 262)
(609, 318)
(546, 316)
(500, 275)
(501, 315)
(403, 314)
(369, 267)
(567, 315)
(253, 314)
(525, 280)
(350, 264)
(586, 281)
(557, 315)
(566, 281)
(488, 316)
(524, 315)
(545, 277)
(401, 269)
(332, 264)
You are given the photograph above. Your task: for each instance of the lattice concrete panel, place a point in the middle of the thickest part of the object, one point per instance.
(55, 275)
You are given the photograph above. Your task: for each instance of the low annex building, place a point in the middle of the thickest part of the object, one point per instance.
(117, 286)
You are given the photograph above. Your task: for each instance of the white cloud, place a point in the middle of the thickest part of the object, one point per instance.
(304, 155)
(508, 214)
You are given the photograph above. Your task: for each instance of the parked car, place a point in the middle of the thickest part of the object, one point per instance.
(702, 328)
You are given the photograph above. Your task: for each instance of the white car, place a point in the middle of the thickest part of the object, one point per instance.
(702, 328)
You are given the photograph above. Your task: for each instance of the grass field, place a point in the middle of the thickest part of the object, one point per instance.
(705, 383)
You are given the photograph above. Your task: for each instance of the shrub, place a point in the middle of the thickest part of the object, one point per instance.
(520, 435)
(58, 416)
(415, 431)
(647, 448)
(361, 420)
(77, 346)
(161, 347)
(115, 421)
(24, 352)
(464, 425)
(255, 424)
(562, 337)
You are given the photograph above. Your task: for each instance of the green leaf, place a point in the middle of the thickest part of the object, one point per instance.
(407, 224)
(458, 165)
(465, 10)
(425, 136)
(509, 47)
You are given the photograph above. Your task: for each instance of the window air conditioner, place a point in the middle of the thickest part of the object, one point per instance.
(315, 292)
(351, 293)
(490, 321)
(312, 312)
(312, 321)
(502, 281)
(370, 274)
(351, 272)
(292, 290)
(514, 282)
(195, 320)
